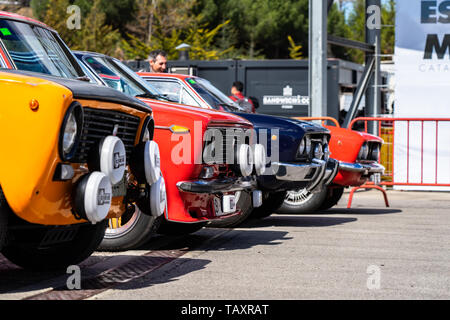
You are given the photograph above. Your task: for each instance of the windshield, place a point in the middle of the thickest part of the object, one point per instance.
(117, 76)
(33, 48)
(213, 96)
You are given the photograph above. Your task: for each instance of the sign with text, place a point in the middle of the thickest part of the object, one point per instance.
(422, 60)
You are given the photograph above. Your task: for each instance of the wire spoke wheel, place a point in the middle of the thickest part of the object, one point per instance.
(296, 197)
(302, 201)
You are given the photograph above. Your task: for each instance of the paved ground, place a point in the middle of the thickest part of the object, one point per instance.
(367, 252)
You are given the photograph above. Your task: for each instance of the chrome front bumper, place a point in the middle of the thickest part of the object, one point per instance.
(319, 173)
(218, 185)
(363, 168)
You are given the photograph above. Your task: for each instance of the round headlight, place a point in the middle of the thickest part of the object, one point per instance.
(318, 151)
(326, 151)
(308, 145)
(364, 152)
(375, 155)
(301, 149)
(70, 131)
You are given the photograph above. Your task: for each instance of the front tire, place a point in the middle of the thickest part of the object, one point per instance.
(271, 202)
(25, 247)
(333, 197)
(302, 201)
(246, 205)
(129, 231)
(4, 211)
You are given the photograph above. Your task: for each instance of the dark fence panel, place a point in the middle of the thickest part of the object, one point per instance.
(281, 86)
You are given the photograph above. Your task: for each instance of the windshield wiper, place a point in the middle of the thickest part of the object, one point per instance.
(153, 96)
(84, 78)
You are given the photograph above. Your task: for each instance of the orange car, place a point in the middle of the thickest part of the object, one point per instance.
(66, 148)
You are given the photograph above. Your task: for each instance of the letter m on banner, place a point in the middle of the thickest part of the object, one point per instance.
(433, 44)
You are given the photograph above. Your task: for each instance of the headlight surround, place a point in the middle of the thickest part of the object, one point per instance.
(364, 152)
(308, 145)
(148, 129)
(70, 132)
(302, 148)
(375, 154)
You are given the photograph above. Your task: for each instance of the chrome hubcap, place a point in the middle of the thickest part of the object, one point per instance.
(296, 197)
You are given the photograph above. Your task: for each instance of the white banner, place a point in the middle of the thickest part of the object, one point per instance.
(422, 63)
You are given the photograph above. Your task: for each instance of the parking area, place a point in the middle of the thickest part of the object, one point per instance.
(367, 252)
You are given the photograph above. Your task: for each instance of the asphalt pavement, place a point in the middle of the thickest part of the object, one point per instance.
(366, 252)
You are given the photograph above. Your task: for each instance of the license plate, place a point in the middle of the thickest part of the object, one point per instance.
(225, 206)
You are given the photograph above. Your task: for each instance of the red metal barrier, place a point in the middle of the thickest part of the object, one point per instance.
(392, 124)
(386, 130)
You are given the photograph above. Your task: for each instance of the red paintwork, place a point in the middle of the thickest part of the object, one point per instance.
(23, 18)
(165, 114)
(345, 144)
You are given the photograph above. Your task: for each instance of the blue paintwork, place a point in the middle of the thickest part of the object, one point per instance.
(291, 132)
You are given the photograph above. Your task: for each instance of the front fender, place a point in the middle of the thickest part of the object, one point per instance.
(28, 138)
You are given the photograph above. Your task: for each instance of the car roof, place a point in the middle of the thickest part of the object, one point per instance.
(166, 75)
(18, 17)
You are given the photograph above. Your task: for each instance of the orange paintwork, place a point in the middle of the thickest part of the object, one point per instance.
(29, 149)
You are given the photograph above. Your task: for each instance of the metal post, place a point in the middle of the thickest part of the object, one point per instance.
(373, 37)
(318, 57)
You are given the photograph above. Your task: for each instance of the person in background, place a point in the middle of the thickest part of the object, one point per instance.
(158, 61)
(237, 96)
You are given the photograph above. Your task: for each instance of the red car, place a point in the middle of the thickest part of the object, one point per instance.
(359, 161)
(197, 192)
(357, 153)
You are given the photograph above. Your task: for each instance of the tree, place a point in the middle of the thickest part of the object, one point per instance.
(94, 35)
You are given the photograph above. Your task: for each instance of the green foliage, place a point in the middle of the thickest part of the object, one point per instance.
(215, 29)
(294, 49)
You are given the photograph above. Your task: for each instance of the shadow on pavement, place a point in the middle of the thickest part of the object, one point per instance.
(304, 221)
(360, 211)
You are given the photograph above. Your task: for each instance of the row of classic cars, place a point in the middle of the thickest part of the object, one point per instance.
(100, 157)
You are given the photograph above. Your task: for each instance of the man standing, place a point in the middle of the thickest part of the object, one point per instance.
(158, 61)
(237, 96)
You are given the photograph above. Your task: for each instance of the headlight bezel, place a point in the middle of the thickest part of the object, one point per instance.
(148, 128)
(364, 151)
(375, 152)
(75, 110)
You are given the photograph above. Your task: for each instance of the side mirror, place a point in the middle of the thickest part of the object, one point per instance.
(255, 102)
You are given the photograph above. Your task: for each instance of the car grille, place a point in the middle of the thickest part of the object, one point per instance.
(230, 137)
(101, 123)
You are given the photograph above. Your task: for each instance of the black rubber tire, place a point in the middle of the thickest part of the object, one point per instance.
(312, 204)
(246, 205)
(333, 197)
(4, 211)
(56, 257)
(271, 202)
(169, 228)
(140, 230)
